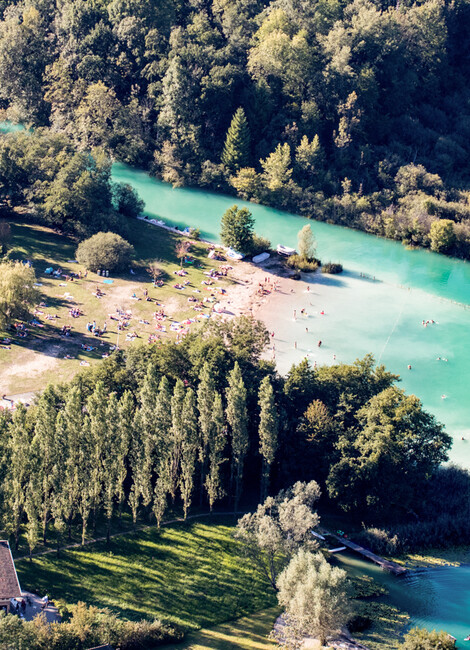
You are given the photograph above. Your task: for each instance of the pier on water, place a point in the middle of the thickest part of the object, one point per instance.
(386, 565)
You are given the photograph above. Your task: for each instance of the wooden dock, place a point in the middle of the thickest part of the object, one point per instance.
(386, 565)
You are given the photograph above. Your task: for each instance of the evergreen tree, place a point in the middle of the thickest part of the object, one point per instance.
(216, 448)
(237, 417)
(309, 159)
(268, 430)
(277, 168)
(236, 153)
(189, 448)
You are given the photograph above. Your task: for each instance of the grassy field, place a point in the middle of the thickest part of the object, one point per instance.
(191, 574)
(43, 355)
(247, 633)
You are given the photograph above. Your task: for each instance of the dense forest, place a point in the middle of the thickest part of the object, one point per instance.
(354, 112)
(207, 423)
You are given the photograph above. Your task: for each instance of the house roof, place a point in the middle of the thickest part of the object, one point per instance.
(9, 584)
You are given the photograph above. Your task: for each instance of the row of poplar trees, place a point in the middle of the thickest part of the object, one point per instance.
(70, 461)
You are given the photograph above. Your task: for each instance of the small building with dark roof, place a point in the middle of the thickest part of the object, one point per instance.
(9, 583)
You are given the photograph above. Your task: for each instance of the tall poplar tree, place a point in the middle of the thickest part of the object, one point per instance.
(217, 441)
(236, 153)
(145, 423)
(19, 470)
(111, 459)
(86, 487)
(176, 435)
(163, 447)
(189, 445)
(70, 426)
(45, 439)
(268, 430)
(237, 418)
(96, 406)
(126, 412)
(205, 404)
(60, 500)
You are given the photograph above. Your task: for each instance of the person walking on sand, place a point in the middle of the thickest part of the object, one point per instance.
(295, 314)
(295, 345)
(319, 344)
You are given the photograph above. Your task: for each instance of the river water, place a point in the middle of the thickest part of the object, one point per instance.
(437, 599)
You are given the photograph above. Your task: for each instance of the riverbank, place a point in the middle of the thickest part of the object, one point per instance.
(436, 557)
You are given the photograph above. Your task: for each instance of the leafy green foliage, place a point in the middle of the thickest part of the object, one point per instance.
(84, 626)
(315, 596)
(332, 268)
(17, 292)
(418, 639)
(237, 229)
(105, 250)
(331, 126)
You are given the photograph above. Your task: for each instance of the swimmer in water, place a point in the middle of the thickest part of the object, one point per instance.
(409, 366)
(443, 396)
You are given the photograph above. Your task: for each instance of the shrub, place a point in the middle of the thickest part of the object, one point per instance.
(127, 201)
(299, 263)
(332, 267)
(195, 233)
(379, 541)
(82, 627)
(259, 244)
(105, 250)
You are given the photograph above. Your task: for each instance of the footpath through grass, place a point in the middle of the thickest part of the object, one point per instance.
(190, 574)
(247, 633)
(43, 356)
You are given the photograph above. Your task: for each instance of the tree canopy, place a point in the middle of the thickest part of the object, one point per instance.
(312, 108)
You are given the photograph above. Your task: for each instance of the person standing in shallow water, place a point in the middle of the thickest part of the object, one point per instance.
(319, 344)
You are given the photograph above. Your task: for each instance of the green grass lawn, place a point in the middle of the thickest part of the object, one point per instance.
(191, 574)
(39, 358)
(248, 633)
